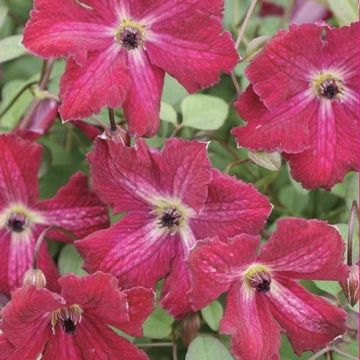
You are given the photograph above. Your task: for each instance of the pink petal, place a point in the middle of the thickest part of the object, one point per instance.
(305, 249)
(186, 171)
(255, 334)
(142, 104)
(283, 69)
(58, 28)
(133, 250)
(191, 47)
(5, 239)
(75, 208)
(308, 12)
(19, 165)
(232, 207)
(275, 130)
(102, 81)
(215, 265)
(310, 322)
(98, 295)
(6, 348)
(124, 177)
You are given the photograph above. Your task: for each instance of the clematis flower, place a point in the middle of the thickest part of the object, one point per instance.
(303, 101)
(172, 198)
(23, 216)
(76, 323)
(119, 51)
(264, 297)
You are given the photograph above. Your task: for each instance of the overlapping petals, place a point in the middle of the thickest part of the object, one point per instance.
(264, 296)
(302, 101)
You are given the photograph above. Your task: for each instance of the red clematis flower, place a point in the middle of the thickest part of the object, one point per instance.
(173, 197)
(303, 101)
(119, 50)
(23, 217)
(75, 324)
(264, 296)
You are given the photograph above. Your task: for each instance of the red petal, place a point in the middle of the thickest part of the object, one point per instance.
(255, 334)
(305, 249)
(310, 322)
(75, 208)
(6, 349)
(142, 104)
(59, 29)
(232, 207)
(215, 265)
(102, 81)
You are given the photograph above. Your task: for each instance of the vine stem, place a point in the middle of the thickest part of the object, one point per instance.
(354, 212)
(245, 23)
(112, 119)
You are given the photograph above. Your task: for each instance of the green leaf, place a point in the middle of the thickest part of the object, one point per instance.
(292, 199)
(70, 261)
(11, 48)
(207, 348)
(270, 161)
(3, 14)
(204, 112)
(173, 92)
(331, 287)
(167, 113)
(158, 325)
(212, 315)
(345, 11)
(255, 45)
(352, 190)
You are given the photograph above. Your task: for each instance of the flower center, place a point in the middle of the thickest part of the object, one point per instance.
(130, 35)
(258, 278)
(328, 86)
(170, 218)
(67, 317)
(17, 222)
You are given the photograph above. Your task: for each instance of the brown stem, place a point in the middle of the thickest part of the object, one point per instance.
(112, 119)
(320, 353)
(354, 212)
(158, 344)
(245, 23)
(343, 353)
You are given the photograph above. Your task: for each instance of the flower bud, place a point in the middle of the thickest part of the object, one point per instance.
(190, 326)
(34, 277)
(118, 135)
(350, 286)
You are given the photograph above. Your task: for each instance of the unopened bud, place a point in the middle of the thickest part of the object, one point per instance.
(34, 277)
(190, 326)
(118, 135)
(350, 286)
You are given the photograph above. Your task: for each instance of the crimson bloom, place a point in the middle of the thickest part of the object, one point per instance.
(303, 101)
(119, 51)
(23, 217)
(173, 197)
(263, 295)
(75, 324)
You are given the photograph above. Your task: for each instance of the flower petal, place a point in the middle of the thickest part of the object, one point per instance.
(191, 47)
(62, 346)
(124, 177)
(65, 28)
(98, 295)
(232, 207)
(75, 208)
(255, 334)
(19, 165)
(134, 250)
(305, 249)
(102, 81)
(142, 104)
(215, 265)
(310, 322)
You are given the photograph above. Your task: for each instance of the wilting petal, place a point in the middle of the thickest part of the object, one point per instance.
(98, 295)
(191, 47)
(65, 28)
(127, 178)
(19, 165)
(309, 321)
(134, 250)
(255, 334)
(283, 69)
(305, 249)
(187, 170)
(75, 208)
(142, 104)
(232, 207)
(140, 302)
(275, 130)
(215, 265)
(102, 81)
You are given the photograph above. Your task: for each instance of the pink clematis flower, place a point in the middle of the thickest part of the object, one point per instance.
(263, 295)
(23, 216)
(76, 323)
(173, 198)
(119, 51)
(303, 101)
